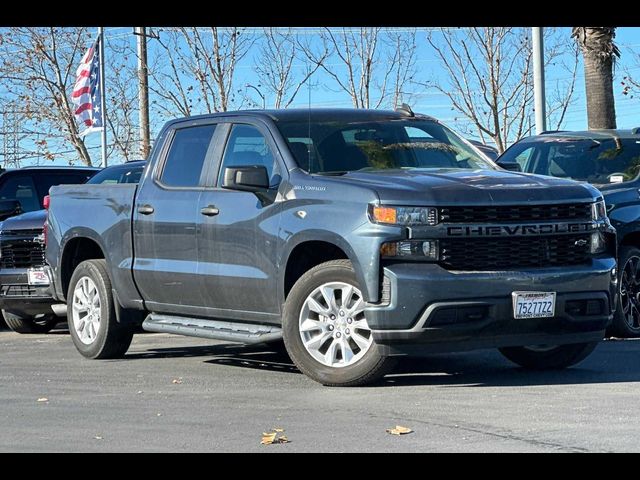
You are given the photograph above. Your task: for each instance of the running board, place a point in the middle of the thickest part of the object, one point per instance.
(249, 333)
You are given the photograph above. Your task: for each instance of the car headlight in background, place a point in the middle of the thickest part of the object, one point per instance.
(405, 216)
(421, 250)
(598, 210)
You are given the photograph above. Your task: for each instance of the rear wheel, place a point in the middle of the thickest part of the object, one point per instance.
(626, 321)
(325, 328)
(22, 324)
(91, 313)
(549, 357)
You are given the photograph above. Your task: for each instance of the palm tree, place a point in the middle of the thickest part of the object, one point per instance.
(599, 52)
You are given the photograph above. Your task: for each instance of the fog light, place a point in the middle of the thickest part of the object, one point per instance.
(425, 250)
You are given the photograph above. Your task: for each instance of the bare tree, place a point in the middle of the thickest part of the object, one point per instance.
(194, 69)
(122, 98)
(369, 73)
(488, 79)
(599, 53)
(37, 70)
(275, 67)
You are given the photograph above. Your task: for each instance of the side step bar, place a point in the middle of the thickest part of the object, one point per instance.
(216, 329)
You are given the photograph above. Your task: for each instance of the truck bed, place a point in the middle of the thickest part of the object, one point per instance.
(102, 213)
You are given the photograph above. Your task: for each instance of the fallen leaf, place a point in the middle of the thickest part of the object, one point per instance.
(43, 399)
(399, 430)
(270, 438)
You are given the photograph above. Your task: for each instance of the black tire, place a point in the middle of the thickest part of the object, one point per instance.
(626, 321)
(370, 367)
(112, 339)
(22, 324)
(554, 358)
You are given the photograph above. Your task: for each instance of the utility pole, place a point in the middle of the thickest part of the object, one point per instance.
(538, 79)
(143, 92)
(103, 103)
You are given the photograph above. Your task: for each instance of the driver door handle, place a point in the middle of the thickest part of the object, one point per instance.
(145, 209)
(209, 211)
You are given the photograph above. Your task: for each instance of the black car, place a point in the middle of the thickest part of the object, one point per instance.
(23, 190)
(609, 160)
(26, 304)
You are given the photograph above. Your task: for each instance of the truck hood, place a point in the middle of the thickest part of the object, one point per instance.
(27, 221)
(469, 187)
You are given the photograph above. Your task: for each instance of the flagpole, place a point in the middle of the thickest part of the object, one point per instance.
(103, 133)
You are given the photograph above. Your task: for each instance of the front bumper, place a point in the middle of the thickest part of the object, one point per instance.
(431, 309)
(20, 298)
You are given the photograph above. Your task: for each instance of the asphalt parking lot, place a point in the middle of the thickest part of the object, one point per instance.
(181, 394)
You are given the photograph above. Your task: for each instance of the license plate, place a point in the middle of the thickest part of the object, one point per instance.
(534, 304)
(37, 277)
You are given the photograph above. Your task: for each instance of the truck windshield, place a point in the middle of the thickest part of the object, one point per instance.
(600, 162)
(334, 147)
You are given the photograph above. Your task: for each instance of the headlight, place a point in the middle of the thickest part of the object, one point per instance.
(422, 250)
(598, 210)
(403, 215)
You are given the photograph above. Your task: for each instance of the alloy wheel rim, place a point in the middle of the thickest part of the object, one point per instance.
(332, 325)
(86, 310)
(630, 292)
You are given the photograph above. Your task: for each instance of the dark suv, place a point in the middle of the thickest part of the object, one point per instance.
(25, 301)
(609, 160)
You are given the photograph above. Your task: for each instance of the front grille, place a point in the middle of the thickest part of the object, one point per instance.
(519, 213)
(18, 291)
(21, 253)
(515, 252)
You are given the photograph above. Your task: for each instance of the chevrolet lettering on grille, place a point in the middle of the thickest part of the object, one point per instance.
(519, 230)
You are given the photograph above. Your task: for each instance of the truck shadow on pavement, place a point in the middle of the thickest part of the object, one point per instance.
(612, 362)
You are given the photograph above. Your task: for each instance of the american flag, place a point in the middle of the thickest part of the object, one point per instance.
(86, 91)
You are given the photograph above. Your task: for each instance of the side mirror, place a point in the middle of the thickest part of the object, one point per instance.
(252, 178)
(9, 208)
(511, 166)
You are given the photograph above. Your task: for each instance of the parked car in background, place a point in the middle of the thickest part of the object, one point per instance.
(23, 190)
(488, 150)
(609, 160)
(26, 303)
(354, 235)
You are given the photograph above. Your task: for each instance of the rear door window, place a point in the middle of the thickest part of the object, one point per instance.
(186, 158)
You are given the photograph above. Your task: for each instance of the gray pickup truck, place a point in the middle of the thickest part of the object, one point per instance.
(354, 235)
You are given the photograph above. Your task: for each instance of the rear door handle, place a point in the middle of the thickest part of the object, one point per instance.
(145, 209)
(209, 211)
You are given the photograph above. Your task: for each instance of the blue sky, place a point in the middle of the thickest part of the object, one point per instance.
(434, 103)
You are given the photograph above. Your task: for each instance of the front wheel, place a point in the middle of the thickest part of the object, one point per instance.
(626, 321)
(22, 324)
(325, 329)
(549, 357)
(91, 314)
